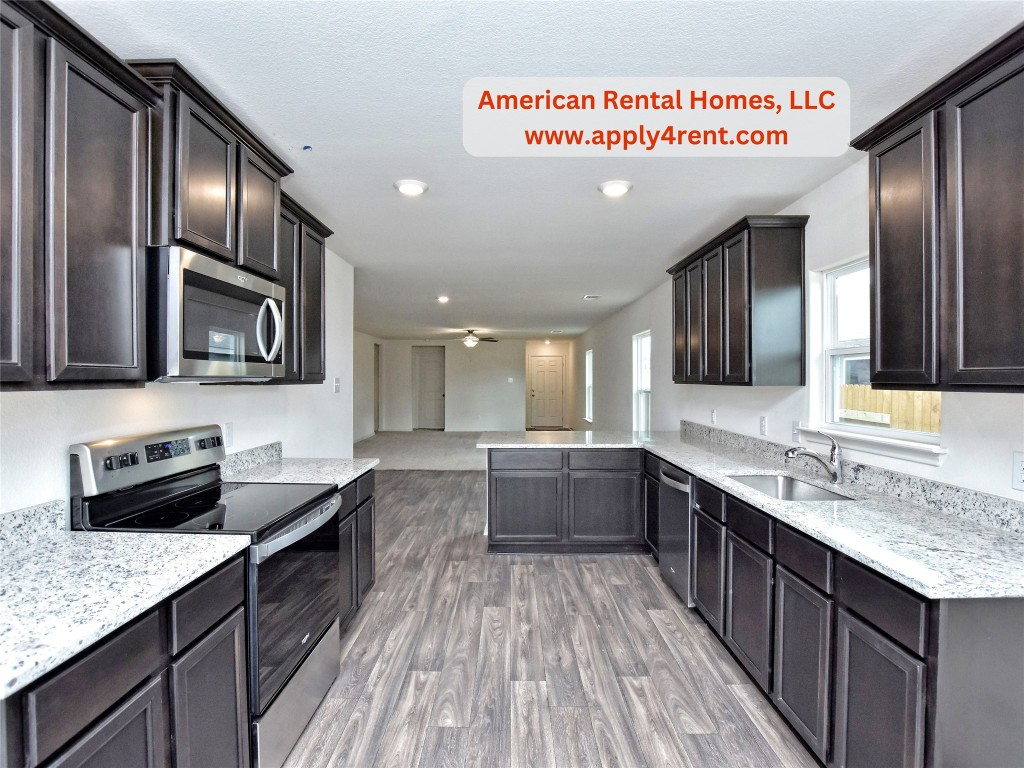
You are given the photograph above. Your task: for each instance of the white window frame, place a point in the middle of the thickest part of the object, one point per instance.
(641, 397)
(896, 443)
(588, 397)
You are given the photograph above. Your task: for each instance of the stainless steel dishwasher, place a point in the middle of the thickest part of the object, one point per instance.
(674, 530)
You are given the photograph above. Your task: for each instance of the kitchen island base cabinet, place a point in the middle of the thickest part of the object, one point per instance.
(748, 607)
(803, 661)
(708, 569)
(603, 506)
(526, 506)
(880, 702)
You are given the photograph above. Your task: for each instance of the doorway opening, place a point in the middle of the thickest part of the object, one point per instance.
(376, 388)
(547, 383)
(428, 387)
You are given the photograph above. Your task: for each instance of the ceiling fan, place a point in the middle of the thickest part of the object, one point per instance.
(471, 339)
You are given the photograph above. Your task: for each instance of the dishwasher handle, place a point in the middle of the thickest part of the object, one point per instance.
(683, 486)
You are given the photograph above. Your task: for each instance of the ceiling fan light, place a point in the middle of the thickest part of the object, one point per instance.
(471, 341)
(411, 187)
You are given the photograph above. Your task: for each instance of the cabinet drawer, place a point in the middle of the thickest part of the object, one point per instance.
(605, 459)
(365, 485)
(895, 610)
(652, 464)
(753, 525)
(709, 499)
(206, 603)
(528, 459)
(63, 706)
(348, 500)
(805, 557)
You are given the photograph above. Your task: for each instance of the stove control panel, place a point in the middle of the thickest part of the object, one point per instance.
(109, 465)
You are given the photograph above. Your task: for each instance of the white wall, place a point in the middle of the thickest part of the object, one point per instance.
(362, 386)
(38, 427)
(478, 395)
(980, 430)
(566, 350)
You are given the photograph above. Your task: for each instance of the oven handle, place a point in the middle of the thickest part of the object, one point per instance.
(260, 325)
(260, 552)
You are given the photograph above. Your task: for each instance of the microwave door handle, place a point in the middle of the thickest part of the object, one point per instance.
(260, 326)
(278, 330)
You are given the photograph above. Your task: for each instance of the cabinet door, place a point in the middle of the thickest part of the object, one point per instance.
(365, 546)
(313, 305)
(713, 326)
(652, 490)
(707, 553)
(18, 211)
(736, 284)
(259, 212)
(204, 212)
(879, 699)
(903, 215)
(288, 254)
(97, 145)
(348, 556)
(748, 607)
(694, 328)
(135, 735)
(525, 506)
(210, 700)
(679, 328)
(984, 238)
(605, 506)
(803, 663)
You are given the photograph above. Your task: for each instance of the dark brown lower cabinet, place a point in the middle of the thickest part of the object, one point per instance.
(880, 699)
(210, 699)
(525, 506)
(349, 598)
(652, 490)
(748, 607)
(604, 506)
(803, 664)
(135, 735)
(708, 569)
(365, 556)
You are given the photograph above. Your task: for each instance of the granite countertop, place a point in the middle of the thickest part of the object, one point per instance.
(62, 591)
(935, 553)
(337, 471)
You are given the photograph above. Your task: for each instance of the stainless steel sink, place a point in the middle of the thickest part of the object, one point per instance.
(788, 488)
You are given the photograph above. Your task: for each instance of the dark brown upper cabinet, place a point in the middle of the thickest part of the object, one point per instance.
(75, 176)
(738, 306)
(302, 247)
(947, 219)
(216, 184)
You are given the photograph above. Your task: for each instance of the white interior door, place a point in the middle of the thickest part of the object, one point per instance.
(429, 374)
(545, 391)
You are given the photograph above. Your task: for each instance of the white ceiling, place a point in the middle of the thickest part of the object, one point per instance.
(376, 88)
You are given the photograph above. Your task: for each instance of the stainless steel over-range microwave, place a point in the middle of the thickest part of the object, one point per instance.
(210, 321)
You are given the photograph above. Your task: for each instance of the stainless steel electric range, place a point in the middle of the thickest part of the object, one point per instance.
(170, 482)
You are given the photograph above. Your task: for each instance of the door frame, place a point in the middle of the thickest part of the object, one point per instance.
(529, 386)
(416, 386)
(377, 399)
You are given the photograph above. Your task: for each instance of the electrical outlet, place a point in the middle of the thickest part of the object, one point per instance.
(229, 434)
(797, 437)
(764, 425)
(337, 385)
(1018, 470)
(714, 416)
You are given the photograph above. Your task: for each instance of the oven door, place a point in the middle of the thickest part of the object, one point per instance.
(223, 323)
(293, 598)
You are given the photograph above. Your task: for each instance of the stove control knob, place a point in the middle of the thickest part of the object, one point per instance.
(133, 458)
(125, 460)
(111, 462)
(201, 443)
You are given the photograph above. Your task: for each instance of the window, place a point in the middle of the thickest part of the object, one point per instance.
(642, 382)
(589, 412)
(851, 404)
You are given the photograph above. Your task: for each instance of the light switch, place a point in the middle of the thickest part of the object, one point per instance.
(337, 385)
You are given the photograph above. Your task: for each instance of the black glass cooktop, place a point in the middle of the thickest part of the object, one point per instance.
(249, 508)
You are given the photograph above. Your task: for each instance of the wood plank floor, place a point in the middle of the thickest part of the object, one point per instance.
(458, 658)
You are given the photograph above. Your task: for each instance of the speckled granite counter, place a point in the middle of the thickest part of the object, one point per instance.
(338, 471)
(935, 553)
(62, 591)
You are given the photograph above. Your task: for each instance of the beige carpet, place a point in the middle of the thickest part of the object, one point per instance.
(423, 449)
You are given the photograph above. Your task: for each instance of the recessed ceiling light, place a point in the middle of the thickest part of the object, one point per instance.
(442, 299)
(411, 187)
(591, 297)
(307, 148)
(547, 341)
(614, 188)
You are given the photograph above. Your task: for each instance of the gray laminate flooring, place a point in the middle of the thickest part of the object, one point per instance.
(457, 658)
